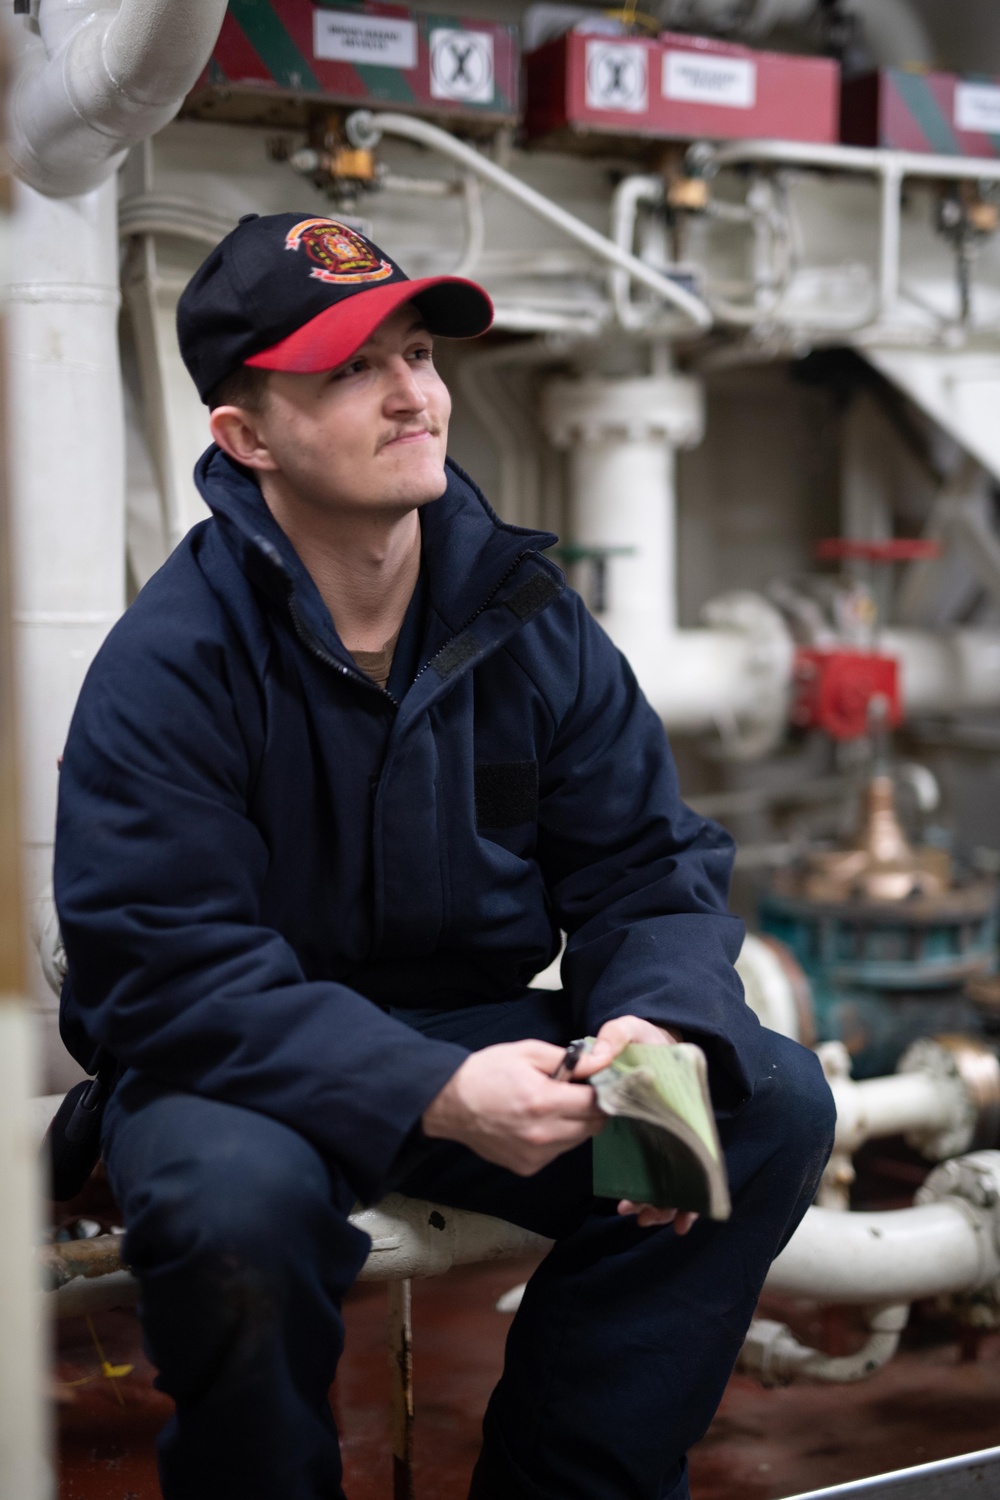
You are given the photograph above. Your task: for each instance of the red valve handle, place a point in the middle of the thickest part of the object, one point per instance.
(899, 549)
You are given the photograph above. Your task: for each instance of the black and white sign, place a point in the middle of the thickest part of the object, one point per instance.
(977, 107)
(340, 36)
(462, 65)
(698, 78)
(617, 77)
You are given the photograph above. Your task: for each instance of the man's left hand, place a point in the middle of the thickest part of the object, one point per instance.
(611, 1039)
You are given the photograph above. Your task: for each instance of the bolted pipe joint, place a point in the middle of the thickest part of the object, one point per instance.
(966, 1073)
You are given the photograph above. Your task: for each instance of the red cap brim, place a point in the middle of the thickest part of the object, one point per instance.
(450, 305)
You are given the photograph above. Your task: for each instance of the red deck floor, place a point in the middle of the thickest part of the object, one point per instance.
(928, 1403)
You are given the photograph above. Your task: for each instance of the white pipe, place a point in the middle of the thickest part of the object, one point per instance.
(90, 79)
(890, 168)
(896, 35)
(901, 1104)
(869, 160)
(410, 1238)
(899, 1256)
(24, 1424)
(68, 486)
(945, 672)
(698, 681)
(771, 989)
(773, 1355)
(621, 436)
(99, 77)
(366, 129)
(625, 200)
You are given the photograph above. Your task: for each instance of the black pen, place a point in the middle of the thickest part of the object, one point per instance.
(570, 1058)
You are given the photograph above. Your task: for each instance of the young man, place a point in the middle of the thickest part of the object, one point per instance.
(334, 785)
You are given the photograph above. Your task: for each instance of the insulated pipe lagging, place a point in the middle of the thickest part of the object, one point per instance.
(96, 79)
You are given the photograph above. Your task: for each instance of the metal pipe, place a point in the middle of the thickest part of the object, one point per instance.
(893, 1257)
(410, 1238)
(24, 1428)
(890, 168)
(946, 671)
(97, 78)
(366, 129)
(970, 1476)
(773, 1355)
(68, 521)
(625, 200)
(869, 160)
(902, 1104)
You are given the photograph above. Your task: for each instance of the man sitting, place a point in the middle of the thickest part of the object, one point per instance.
(334, 785)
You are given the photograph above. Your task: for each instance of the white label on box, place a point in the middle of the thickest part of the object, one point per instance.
(345, 36)
(462, 65)
(977, 107)
(617, 77)
(703, 78)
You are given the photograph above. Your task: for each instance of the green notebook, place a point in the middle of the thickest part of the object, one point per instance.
(660, 1144)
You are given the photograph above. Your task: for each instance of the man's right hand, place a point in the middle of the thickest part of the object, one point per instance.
(503, 1104)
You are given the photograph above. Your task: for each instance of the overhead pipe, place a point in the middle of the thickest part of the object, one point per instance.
(365, 130)
(90, 79)
(894, 32)
(95, 79)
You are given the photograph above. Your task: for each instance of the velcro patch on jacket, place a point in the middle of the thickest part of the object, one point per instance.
(457, 652)
(506, 793)
(529, 598)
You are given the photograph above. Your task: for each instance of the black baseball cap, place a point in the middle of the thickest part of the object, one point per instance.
(297, 292)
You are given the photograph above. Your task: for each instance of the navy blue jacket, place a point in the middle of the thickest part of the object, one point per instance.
(259, 850)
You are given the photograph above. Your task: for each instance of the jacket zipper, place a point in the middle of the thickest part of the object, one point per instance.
(313, 646)
(476, 613)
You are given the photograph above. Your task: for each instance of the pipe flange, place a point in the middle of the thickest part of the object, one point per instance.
(594, 409)
(972, 1179)
(973, 1182)
(970, 1071)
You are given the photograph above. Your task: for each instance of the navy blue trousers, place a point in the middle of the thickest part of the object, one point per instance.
(615, 1363)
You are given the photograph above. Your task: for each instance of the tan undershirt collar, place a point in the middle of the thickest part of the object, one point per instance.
(378, 664)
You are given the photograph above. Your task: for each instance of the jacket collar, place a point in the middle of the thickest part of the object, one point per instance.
(468, 551)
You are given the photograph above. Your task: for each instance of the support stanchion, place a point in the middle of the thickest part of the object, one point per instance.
(401, 1375)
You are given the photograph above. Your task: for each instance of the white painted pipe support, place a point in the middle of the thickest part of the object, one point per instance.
(96, 78)
(366, 129)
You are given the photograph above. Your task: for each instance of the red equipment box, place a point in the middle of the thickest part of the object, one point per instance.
(275, 56)
(833, 691)
(935, 112)
(677, 88)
